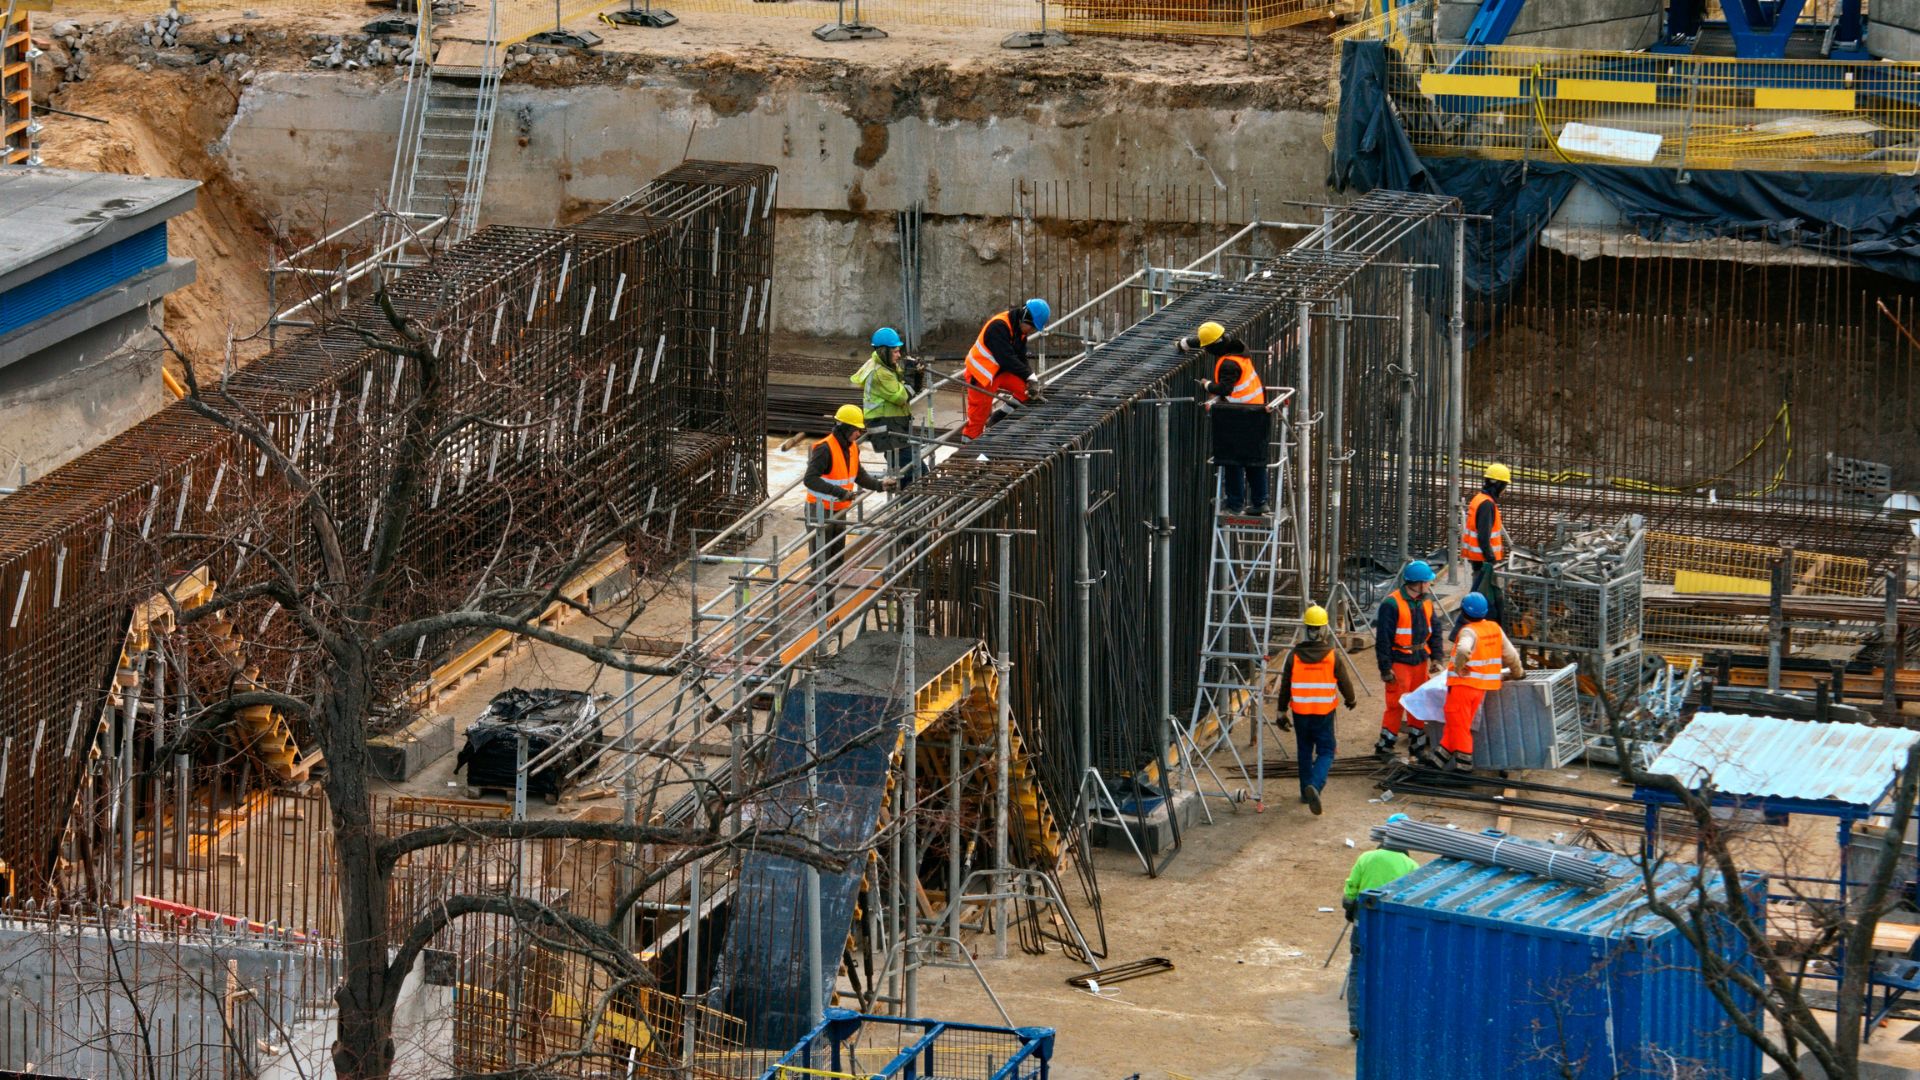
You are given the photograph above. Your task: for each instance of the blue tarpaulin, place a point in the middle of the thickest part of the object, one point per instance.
(1871, 219)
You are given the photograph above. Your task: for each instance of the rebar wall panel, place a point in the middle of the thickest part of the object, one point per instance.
(553, 337)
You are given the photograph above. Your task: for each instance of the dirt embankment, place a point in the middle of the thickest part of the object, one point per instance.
(162, 123)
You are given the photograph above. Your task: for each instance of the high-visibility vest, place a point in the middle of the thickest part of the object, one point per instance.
(1248, 391)
(1470, 538)
(982, 368)
(844, 466)
(1315, 690)
(1403, 627)
(1483, 665)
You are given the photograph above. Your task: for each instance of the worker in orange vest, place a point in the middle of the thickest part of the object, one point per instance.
(1236, 404)
(1313, 678)
(1480, 651)
(1483, 542)
(833, 475)
(998, 362)
(1409, 635)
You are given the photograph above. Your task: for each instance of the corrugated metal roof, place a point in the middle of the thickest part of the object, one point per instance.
(1515, 897)
(1764, 756)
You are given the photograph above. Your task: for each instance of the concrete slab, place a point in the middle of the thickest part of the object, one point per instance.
(50, 217)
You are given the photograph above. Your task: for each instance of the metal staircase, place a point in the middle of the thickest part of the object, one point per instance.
(1254, 595)
(440, 167)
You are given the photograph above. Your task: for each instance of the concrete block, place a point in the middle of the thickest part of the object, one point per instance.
(404, 753)
(1155, 833)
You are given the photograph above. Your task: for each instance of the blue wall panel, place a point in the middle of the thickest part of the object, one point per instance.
(84, 277)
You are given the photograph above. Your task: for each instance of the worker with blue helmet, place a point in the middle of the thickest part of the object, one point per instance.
(1483, 658)
(1409, 640)
(888, 381)
(997, 363)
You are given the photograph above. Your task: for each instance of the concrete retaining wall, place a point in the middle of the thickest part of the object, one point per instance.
(66, 400)
(1894, 30)
(562, 151)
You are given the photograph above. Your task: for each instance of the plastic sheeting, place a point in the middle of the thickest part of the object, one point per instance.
(1870, 219)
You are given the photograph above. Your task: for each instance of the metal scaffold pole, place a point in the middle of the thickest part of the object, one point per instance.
(910, 788)
(1163, 624)
(816, 975)
(1456, 395)
(1002, 744)
(1404, 371)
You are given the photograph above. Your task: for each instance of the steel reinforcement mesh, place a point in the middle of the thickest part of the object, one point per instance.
(568, 345)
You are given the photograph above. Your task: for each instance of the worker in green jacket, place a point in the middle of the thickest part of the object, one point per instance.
(888, 381)
(1372, 870)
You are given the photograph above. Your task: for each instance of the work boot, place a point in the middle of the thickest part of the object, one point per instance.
(1419, 744)
(1462, 763)
(1385, 745)
(1260, 510)
(1313, 800)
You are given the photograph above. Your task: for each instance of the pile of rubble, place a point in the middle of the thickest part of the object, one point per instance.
(164, 32)
(352, 51)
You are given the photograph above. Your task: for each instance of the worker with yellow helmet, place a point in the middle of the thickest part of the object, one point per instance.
(1483, 541)
(1313, 679)
(1236, 404)
(833, 481)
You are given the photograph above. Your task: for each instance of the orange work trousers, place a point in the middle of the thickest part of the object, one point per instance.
(980, 403)
(1463, 704)
(1406, 679)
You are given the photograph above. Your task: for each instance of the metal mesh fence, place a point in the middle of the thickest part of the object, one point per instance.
(1663, 110)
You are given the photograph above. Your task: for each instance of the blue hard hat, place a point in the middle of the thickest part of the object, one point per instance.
(1039, 312)
(1474, 606)
(886, 338)
(1418, 571)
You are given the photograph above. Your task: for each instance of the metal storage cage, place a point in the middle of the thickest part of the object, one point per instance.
(1556, 980)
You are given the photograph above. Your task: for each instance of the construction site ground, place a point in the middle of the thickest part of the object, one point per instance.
(1248, 910)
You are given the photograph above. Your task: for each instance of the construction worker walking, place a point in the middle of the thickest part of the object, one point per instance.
(833, 475)
(1372, 870)
(888, 381)
(1409, 638)
(998, 362)
(1314, 677)
(1236, 404)
(1483, 543)
(1480, 652)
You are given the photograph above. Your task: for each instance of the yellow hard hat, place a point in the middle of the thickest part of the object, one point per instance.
(1315, 616)
(1209, 333)
(851, 415)
(1497, 471)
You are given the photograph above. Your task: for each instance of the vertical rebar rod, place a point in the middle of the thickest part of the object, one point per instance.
(689, 1023)
(182, 782)
(1003, 744)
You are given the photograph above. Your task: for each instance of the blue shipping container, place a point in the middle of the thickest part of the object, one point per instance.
(1470, 971)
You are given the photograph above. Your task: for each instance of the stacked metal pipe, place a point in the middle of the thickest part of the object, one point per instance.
(1571, 865)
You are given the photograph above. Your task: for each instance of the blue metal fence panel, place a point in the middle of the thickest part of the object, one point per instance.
(1542, 979)
(86, 276)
